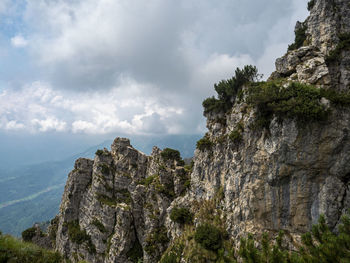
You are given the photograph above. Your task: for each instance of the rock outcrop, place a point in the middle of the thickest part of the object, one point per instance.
(318, 61)
(117, 207)
(114, 207)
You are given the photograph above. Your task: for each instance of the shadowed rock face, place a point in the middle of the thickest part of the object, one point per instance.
(118, 204)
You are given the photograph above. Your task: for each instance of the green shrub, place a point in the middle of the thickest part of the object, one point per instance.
(181, 215)
(310, 4)
(204, 143)
(236, 136)
(169, 258)
(213, 105)
(28, 234)
(75, 234)
(300, 37)
(319, 245)
(104, 168)
(13, 250)
(99, 152)
(158, 236)
(170, 154)
(227, 90)
(78, 236)
(344, 44)
(135, 254)
(99, 225)
(148, 180)
(209, 237)
(296, 101)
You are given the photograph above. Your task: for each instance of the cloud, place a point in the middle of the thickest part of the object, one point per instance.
(39, 108)
(136, 66)
(89, 44)
(19, 41)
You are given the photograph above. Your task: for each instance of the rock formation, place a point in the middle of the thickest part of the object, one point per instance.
(117, 207)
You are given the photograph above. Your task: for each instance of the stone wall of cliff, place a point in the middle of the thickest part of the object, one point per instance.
(117, 207)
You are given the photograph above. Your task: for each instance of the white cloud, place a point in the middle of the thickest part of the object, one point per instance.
(19, 41)
(39, 108)
(137, 66)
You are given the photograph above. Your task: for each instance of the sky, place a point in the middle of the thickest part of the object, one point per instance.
(95, 67)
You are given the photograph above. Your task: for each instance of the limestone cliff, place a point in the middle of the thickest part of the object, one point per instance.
(117, 207)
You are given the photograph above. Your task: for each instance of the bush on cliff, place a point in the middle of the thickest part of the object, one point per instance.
(13, 250)
(227, 90)
(181, 215)
(208, 236)
(320, 245)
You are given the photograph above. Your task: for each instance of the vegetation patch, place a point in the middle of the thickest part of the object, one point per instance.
(300, 37)
(13, 250)
(123, 196)
(208, 236)
(296, 101)
(104, 168)
(310, 4)
(174, 254)
(181, 215)
(148, 180)
(99, 225)
(236, 135)
(227, 90)
(135, 254)
(319, 245)
(344, 44)
(171, 154)
(78, 236)
(204, 144)
(158, 236)
(28, 234)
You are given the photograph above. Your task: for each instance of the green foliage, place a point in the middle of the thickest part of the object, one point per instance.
(209, 237)
(28, 234)
(236, 135)
(99, 152)
(76, 235)
(174, 254)
(296, 101)
(148, 180)
(122, 196)
(99, 225)
(171, 154)
(170, 257)
(135, 254)
(204, 144)
(104, 168)
(344, 44)
(156, 237)
(310, 4)
(318, 246)
(300, 37)
(181, 215)
(227, 90)
(214, 105)
(13, 250)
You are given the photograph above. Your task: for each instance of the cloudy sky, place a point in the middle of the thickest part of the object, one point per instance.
(130, 66)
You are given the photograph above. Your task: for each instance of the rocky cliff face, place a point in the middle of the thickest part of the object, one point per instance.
(322, 60)
(116, 208)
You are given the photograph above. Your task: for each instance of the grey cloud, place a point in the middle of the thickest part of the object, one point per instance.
(148, 40)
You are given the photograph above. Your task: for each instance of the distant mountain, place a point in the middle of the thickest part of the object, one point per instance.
(32, 193)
